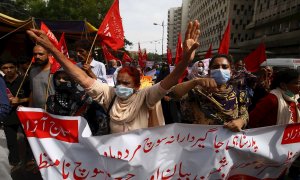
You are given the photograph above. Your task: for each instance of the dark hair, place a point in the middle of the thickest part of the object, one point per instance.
(132, 72)
(23, 59)
(9, 60)
(284, 76)
(164, 72)
(84, 44)
(220, 56)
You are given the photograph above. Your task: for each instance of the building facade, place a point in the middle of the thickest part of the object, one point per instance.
(277, 23)
(214, 16)
(174, 27)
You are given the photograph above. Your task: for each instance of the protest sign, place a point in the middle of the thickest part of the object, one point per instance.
(64, 149)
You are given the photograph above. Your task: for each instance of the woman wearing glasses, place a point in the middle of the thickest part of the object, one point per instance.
(213, 100)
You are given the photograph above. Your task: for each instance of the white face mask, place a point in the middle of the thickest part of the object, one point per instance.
(200, 69)
(123, 92)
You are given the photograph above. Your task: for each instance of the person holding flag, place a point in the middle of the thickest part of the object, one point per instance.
(93, 68)
(39, 78)
(130, 108)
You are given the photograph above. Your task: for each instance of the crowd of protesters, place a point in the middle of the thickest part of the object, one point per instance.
(225, 94)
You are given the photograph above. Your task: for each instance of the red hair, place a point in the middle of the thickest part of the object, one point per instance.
(132, 72)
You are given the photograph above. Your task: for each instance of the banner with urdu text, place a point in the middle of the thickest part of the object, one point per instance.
(64, 149)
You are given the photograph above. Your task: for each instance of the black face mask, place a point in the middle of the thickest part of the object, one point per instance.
(67, 86)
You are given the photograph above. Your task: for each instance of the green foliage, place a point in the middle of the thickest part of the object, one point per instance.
(91, 10)
(153, 57)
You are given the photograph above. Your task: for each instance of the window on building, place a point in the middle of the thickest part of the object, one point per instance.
(242, 7)
(260, 8)
(233, 22)
(234, 7)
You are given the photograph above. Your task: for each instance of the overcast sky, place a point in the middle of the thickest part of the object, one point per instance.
(138, 17)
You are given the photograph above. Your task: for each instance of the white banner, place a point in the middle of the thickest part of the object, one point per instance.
(65, 149)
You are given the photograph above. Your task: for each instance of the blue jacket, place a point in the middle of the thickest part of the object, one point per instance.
(4, 102)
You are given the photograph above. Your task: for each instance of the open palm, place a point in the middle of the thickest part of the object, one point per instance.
(191, 43)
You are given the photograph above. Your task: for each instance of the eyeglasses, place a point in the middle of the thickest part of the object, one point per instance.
(220, 66)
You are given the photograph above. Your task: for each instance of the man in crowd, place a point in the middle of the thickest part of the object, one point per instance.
(4, 110)
(112, 66)
(18, 96)
(93, 68)
(40, 84)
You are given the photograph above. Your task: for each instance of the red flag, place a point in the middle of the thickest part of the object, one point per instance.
(54, 64)
(255, 58)
(111, 28)
(209, 52)
(185, 73)
(169, 56)
(178, 57)
(49, 34)
(145, 56)
(126, 58)
(63, 46)
(178, 50)
(225, 42)
(140, 57)
(107, 55)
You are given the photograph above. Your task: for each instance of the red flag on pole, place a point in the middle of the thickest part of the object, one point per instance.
(54, 64)
(62, 45)
(49, 34)
(209, 52)
(145, 56)
(126, 58)
(178, 50)
(255, 58)
(178, 57)
(107, 55)
(225, 42)
(111, 29)
(140, 57)
(169, 56)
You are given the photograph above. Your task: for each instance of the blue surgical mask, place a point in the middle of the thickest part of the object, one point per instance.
(221, 76)
(123, 92)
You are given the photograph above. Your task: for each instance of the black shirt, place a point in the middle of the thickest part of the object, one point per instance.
(24, 92)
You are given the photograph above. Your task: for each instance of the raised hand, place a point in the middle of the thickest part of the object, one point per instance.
(191, 43)
(40, 38)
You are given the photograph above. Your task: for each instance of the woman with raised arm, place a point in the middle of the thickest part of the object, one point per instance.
(130, 109)
(212, 100)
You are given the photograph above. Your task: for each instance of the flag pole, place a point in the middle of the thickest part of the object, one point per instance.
(33, 25)
(91, 48)
(24, 78)
(47, 91)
